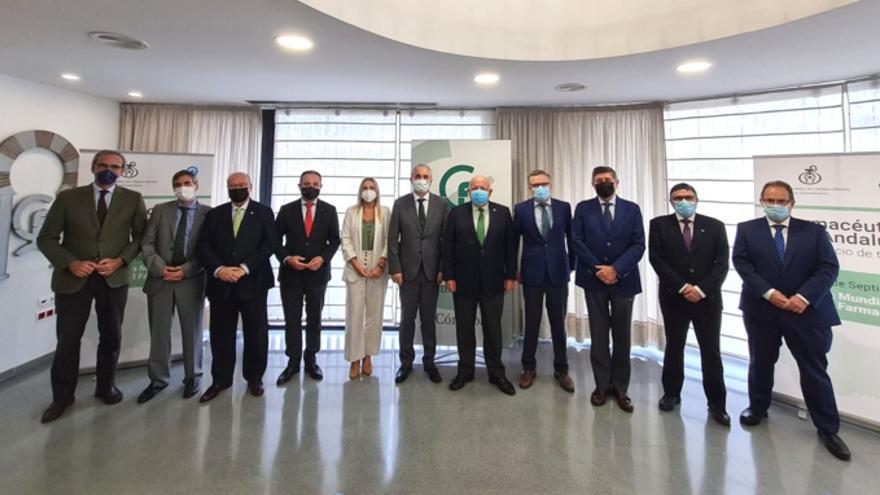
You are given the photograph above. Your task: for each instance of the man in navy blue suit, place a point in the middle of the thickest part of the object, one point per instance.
(788, 267)
(545, 267)
(609, 241)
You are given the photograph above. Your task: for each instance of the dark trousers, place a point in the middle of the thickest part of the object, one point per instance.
(610, 313)
(678, 313)
(808, 345)
(491, 308)
(292, 301)
(557, 299)
(73, 313)
(255, 330)
(418, 296)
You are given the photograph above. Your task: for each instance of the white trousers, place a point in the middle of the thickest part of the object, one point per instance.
(364, 307)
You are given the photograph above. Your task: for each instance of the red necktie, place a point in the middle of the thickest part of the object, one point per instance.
(309, 219)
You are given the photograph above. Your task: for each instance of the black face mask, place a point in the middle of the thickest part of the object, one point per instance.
(238, 195)
(310, 193)
(604, 189)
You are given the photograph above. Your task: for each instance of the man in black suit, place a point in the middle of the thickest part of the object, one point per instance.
(308, 237)
(690, 254)
(235, 244)
(479, 266)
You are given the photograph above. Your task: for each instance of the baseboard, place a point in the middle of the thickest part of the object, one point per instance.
(40, 362)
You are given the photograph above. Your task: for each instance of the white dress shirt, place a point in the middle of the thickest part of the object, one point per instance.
(773, 225)
(613, 203)
(96, 191)
(476, 213)
(427, 199)
(539, 215)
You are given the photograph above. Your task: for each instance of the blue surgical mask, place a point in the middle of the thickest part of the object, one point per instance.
(105, 177)
(776, 213)
(685, 208)
(479, 197)
(541, 193)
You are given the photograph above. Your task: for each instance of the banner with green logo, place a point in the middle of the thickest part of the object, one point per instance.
(842, 193)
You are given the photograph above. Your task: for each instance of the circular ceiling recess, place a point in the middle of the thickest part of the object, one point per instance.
(564, 29)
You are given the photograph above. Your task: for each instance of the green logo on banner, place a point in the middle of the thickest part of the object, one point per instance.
(460, 194)
(857, 296)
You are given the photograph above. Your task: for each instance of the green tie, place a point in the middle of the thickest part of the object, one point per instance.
(236, 221)
(481, 227)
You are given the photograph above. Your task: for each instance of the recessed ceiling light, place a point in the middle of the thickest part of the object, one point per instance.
(135, 94)
(694, 66)
(294, 42)
(570, 87)
(117, 40)
(70, 77)
(487, 78)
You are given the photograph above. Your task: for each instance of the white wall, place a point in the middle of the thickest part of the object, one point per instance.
(85, 121)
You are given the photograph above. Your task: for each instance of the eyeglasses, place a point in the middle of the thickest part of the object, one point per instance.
(775, 202)
(115, 168)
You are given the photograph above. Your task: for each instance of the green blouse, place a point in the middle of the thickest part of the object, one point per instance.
(367, 235)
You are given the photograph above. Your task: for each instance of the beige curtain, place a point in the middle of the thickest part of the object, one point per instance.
(568, 143)
(231, 134)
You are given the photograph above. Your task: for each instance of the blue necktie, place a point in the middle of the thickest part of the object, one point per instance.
(780, 242)
(606, 216)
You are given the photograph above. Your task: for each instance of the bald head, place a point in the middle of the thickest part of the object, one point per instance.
(480, 182)
(238, 180)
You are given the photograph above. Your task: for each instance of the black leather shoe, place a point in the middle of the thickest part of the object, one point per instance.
(668, 402)
(720, 416)
(190, 387)
(256, 388)
(459, 382)
(150, 392)
(110, 396)
(835, 445)
(751, 417)
(314, 371)
(433, 373)
(212, 392)
(288, 373)
(402, 374)
(54, 411)
(503, 385)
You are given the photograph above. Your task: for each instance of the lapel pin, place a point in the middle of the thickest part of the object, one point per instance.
(702, 230)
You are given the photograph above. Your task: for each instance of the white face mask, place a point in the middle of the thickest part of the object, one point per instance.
(368, 195)
(421, 186)
(185, 193)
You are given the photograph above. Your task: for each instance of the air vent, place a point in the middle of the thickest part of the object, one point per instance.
(570, 87)
(118, 40)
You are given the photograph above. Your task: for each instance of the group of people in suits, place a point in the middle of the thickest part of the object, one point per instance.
(93, 233)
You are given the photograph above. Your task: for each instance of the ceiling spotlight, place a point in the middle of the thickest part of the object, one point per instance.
(135, 94)
(487, 78)
(70, 77)
(117, 40)
(294, 42)
(570, 87)
(694, 67)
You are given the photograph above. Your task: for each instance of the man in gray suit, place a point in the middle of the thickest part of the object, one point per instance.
(175, 281)
(414, 238)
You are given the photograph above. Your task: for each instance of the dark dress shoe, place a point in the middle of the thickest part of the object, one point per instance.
(598, 398)
(623, 400)
(751, 417)
(402, 374)
(150, 392)
(288, 373)
(212, 392)
(459, 382)
(565, 381)
(720, 416)
(835, 445)
(190, 387)
(110, 396)
(314, 371)
(433, 373)
(668, 402)
(526, 379)
(256, 389)
(503, 385)
(54, 411)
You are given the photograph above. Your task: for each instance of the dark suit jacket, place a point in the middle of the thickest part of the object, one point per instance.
(253, 247)
(544, 258)
(622, 246)
(809, 268)
(479, 270)
(158, 244)
(292, 241)
(409, 247)
(72, 232)
(705, 265)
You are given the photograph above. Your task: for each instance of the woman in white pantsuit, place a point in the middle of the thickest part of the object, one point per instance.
(364, 246)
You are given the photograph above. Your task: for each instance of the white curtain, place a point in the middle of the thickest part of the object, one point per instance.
(568, 143)
(231, 134)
